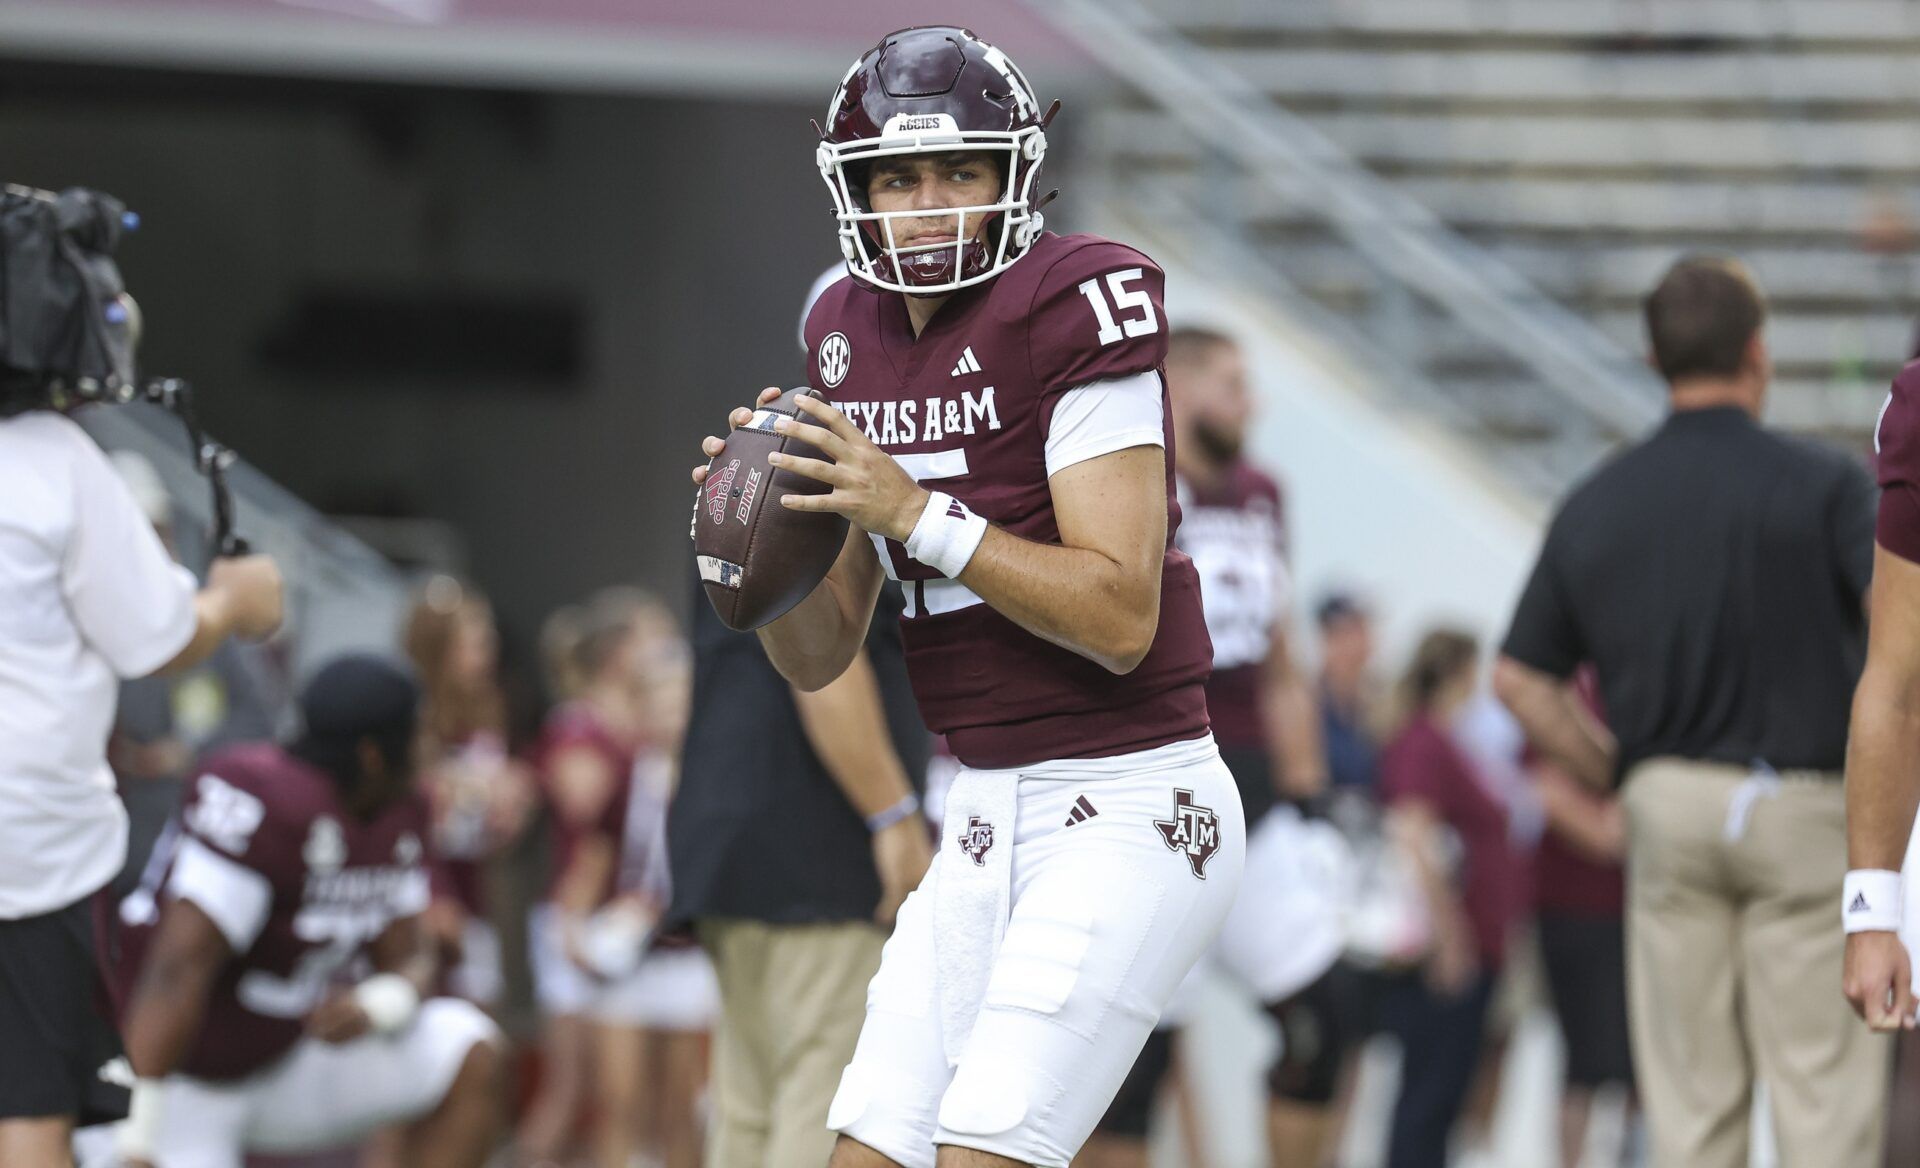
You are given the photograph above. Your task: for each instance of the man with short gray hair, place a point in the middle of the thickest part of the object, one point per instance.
(1714, 575)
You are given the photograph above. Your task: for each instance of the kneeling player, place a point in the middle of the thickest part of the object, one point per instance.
(281, 959)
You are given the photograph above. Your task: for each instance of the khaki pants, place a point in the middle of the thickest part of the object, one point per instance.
(1733, 969)
(792, 999)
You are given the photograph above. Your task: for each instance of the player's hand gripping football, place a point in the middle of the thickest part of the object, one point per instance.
(1879, 980)
(869, 488)
(712, 446)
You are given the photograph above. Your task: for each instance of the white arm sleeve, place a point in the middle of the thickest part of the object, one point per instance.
(235, 897)
(130, 601)
(1101, 417)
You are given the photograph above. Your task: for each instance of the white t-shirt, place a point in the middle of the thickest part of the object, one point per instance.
(88, 595)
(1104, 416)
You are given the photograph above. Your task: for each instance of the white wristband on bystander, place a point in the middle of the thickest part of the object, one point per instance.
(1870, 901)
(389, 1000)
(136, 1137)
(947, 535)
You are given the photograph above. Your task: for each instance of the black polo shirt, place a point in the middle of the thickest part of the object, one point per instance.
(757, 829)
(1715, 575)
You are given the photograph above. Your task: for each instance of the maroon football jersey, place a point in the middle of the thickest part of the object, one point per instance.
(1236, 533)
(571, 726)
(264, 846)
(1896, 443)
(966, 408)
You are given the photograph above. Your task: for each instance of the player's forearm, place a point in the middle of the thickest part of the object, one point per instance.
(815, 642)
(1555, 721)
(168, 1004)
(407, 948)
(1883, 752)
(1077, 598)
(846, 725)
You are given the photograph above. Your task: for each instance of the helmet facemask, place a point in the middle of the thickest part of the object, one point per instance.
(1006, 227)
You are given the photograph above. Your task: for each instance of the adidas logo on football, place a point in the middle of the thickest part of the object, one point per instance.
(1082, 811)
(1859, 903)
(968, 363)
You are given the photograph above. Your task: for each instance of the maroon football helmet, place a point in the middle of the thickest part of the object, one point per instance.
(933, 90)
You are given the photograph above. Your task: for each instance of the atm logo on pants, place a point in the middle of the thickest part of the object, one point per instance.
(1193, 830)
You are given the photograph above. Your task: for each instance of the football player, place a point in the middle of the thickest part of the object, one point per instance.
(281, 961)
(1883, 781)
(998, 437)
(1285, 932)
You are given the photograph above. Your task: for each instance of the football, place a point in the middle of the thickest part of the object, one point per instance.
(758, 559)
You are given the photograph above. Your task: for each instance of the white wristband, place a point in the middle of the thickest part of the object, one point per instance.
(389, 1000)
(947, 535)
(137, 1136)
(1870, 901)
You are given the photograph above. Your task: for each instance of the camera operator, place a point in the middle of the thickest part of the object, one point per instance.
(88, 596)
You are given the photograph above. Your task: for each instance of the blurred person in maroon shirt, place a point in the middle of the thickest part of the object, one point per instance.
(479, 795)
(618, 1002)
(1580, 902)
(1456, 828)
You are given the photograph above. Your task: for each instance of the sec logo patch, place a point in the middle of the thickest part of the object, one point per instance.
(836, 357)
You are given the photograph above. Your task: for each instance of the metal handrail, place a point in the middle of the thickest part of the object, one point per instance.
(1585, 369)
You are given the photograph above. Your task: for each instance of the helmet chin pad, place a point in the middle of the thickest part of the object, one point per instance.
(938, 267)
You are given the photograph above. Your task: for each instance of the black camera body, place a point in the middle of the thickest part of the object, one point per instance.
(67, 327)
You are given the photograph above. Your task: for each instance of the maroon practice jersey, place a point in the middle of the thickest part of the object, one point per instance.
(966, 408)
(298, 885)
(575, 726)
(1896, 442)
(1236, 533)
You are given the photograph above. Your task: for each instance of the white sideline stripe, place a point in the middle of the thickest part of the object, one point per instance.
(940, 464)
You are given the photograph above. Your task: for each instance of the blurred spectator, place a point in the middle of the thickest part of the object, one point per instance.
(1714, 575)
(1349, 702)
(605, 769)
(795, 835)
(165, 722)
(1456, 827)
(479, 796)
(1579, 898)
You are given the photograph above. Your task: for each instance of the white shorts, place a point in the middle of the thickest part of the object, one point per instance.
(1118, 875)
(671, 989)
(319, 1096)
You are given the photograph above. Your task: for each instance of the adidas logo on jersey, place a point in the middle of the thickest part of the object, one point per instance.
(968, 363)
(1082, 811)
